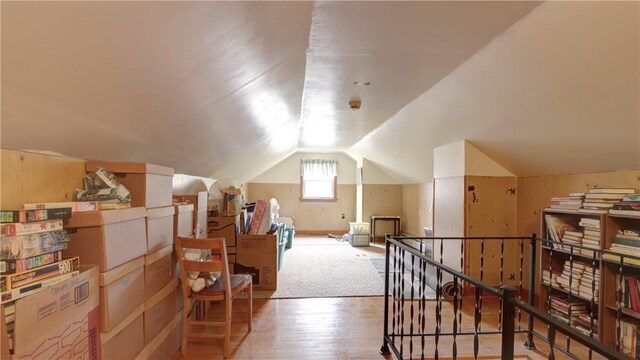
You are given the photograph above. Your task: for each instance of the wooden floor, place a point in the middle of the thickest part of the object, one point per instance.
(339, 328)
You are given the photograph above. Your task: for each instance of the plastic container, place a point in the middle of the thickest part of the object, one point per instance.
(289, 232)
(359, 228)
(359, 240)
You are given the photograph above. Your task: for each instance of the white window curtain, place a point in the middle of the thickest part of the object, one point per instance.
(318, 168)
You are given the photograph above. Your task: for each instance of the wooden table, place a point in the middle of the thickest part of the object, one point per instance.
(396, 225)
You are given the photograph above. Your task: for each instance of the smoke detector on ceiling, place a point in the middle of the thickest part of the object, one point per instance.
(355, 104)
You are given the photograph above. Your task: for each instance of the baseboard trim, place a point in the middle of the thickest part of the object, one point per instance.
(322, 232)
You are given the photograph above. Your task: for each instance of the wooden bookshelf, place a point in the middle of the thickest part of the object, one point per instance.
(555, 258)
(608, 283)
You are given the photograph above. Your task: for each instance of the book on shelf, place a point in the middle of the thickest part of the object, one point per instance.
(597, 205)
(623, 240)
(604, 196)
(14, 229)
(627, 249)
(593, 210)
(629, 336)
(625, 212)
(590, 223)
(626, 205)
(611, 191)
(22, 216)
(617, 256)
(76, 206)
(557, 225)
(631, 197)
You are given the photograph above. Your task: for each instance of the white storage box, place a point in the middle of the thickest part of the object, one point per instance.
(359, 228)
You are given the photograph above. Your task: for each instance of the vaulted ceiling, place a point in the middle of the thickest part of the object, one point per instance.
(229, 89)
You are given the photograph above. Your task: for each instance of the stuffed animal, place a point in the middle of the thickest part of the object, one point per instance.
(198, 280)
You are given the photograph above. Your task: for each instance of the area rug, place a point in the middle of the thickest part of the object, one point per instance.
(430, 294)
(327, 268)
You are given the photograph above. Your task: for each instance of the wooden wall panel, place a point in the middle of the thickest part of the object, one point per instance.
(381, 199)
(30, 177)
(417, 208)
(491, 212)
(309, 217)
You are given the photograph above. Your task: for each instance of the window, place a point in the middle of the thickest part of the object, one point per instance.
(318, 180)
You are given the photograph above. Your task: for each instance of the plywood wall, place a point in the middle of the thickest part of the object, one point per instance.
(309, 217)
(30, 177)
(381, 199)
(417, 208)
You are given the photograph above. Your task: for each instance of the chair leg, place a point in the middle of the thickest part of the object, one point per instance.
(227, 327)
(250, 305)
(185, 328)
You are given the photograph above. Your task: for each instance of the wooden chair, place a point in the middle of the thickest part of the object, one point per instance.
(225, 288)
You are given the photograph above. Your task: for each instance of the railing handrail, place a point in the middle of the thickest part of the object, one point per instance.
(489, 288)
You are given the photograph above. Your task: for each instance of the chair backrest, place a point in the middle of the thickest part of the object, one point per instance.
(217, 263)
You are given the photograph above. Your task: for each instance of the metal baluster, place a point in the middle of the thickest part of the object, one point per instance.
(402, 255)
(461, 283)
(549, 286)
(423, 302)
(619, 303)
(501, 282)
(438, 300)
(455, 316)
(396, 295)
(520, 281)
(481, 279)
(384, 349)
(411, 310)
(570, 291)
(476, 324)
(551, 336)
(593, 301)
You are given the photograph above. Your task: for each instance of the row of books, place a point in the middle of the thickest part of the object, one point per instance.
(626, 242)
(629, 338)
(630, 291)
(618, 201)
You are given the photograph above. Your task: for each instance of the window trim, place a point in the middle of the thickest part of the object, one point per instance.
(307, 199)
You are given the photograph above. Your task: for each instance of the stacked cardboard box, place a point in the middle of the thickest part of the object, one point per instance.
(147, 312)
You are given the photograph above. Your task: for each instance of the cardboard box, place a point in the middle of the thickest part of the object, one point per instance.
(159, 310)
(158, 271)
(258, 255)
(107, 238)
(199, 200)
(150, 185)
(61, 322)
(121, 292)
(163, 346)
(183, 221)
(224, 227)
(125, 340)
(159, 228)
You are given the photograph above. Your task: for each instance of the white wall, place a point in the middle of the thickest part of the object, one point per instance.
(288, 170)
(448, 160)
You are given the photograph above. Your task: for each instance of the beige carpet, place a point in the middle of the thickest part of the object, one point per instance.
(323, 267)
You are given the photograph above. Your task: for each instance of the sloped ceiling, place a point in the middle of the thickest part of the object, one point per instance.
(228, 89)
(558, 93)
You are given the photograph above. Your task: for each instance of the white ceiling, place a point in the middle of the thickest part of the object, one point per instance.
(228, 89)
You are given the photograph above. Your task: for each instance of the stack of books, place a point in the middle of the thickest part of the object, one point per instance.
(549, 278)
(31, 244)
(583, 324)
(573, 238)
(630, 205)
(600, 200)
(569, 279)
(591, 236)
(587, 287)
(625, 242)
(629, 337)
(567, 311)
(571, 202)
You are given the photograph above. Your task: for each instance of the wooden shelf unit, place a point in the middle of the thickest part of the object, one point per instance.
(555, 259)
(608, 283)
